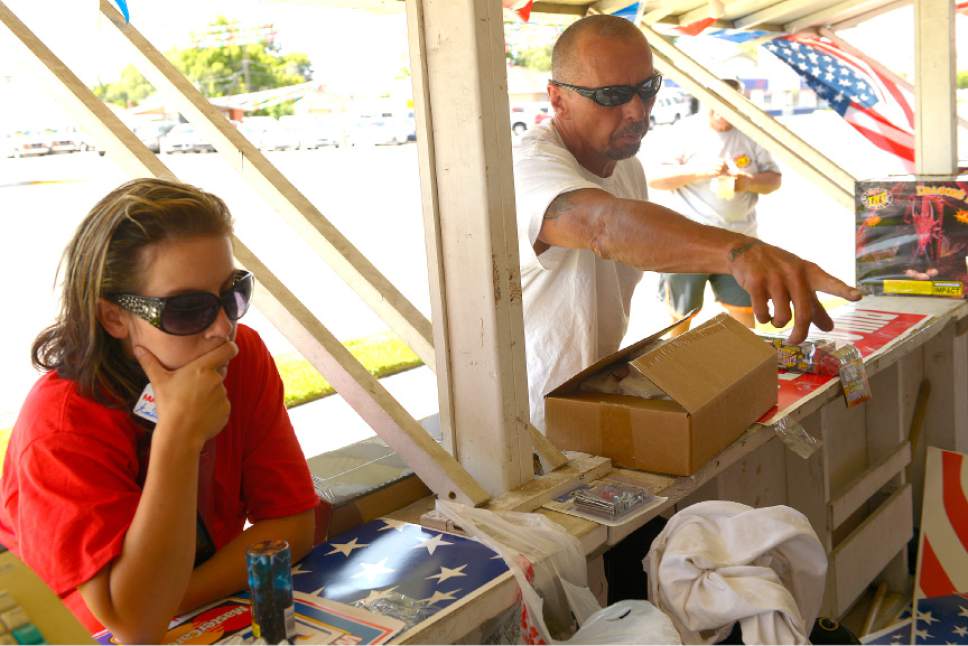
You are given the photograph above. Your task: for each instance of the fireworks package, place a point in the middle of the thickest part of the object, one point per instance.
(912, 236)
(824, 357)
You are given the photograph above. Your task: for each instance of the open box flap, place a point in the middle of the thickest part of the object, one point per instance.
(697, 367)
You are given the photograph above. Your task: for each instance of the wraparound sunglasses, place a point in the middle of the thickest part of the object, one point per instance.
(192, 312)
(610, 96)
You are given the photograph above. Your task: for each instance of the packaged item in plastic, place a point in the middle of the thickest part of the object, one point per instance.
(796, 438)
(853, 375)
(611, 500)
(813, 357)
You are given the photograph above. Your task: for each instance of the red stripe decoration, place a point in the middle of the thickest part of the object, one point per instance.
(934, 580)
(955, 505)
(962, 7)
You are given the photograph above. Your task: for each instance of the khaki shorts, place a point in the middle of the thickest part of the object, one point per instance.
(684, 292)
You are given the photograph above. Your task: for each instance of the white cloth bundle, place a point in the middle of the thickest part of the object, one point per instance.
(719, 562)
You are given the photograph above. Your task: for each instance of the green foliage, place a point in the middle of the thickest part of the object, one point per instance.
(381, 355)
(535, 58)
(962, 79)
(237, 69)
(220, 71)
(131, 89)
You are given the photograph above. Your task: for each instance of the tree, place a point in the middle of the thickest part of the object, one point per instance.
(963, 79)
(131, 89)
(239, 68)
(221, 69)
(535, 58)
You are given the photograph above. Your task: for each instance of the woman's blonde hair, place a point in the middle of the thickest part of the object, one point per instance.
(105, 256)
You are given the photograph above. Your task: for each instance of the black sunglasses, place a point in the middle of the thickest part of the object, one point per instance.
(615, 95)
(190, 313)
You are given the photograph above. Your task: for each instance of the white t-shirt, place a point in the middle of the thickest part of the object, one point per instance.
(576, 305)
(695, 139)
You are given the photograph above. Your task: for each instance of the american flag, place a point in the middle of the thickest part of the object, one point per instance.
(941, 620)
(392, 566)
(943, 550)
(520, 7)
(870, 102)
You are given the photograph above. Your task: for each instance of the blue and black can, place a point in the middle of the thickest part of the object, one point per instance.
(270, 585)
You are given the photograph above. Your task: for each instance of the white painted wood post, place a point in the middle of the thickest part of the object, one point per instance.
(460, 78)
(935, 135)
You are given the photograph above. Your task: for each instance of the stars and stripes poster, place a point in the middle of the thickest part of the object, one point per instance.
(869, 101)
(941, 620)
(943, 548)
(385, 576)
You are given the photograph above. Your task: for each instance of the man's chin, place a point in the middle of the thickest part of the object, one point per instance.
(617, 153)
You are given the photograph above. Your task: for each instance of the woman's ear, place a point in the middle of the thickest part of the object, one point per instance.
(111, 318)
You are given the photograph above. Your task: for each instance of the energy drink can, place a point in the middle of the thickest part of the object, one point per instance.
(270, 585)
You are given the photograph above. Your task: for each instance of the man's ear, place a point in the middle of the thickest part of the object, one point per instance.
(556, 99)
(111, 318)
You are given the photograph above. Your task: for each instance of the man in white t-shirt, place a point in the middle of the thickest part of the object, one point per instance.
(587, 231)
(718, 173)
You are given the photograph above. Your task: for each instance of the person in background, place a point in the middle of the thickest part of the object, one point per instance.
(718, 173)
(587, 229)
(133, 522)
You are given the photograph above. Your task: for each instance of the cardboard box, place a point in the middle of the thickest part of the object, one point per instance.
(912, 236)
(720, 376)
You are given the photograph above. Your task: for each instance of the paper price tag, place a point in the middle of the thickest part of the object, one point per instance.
(145, 408)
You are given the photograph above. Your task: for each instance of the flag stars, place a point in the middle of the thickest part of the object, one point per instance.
(926, 617)
(962, 611)
(923, 634)
(433, 543)
(961, 631)
(448, 573)
(439, 596)
(372, 571)
(346, 548)
(390, 523)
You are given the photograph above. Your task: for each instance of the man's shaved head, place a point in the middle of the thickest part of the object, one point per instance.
(565, 59)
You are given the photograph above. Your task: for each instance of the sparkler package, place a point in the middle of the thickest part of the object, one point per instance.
(912, 236)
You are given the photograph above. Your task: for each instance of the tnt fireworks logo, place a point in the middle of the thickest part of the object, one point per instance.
(742, 161)
(876, 198)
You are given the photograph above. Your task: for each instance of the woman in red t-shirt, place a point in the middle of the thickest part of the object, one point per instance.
(132, 522)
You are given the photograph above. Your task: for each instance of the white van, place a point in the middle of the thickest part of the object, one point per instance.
(669, 108)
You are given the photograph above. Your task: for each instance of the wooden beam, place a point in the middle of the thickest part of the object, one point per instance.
(751, 120)
(873, 13)
(111, 134)
(867, 483)
(555, 8)
(839, 11)
(935, 135)
(457, 52)
(361, 390)
(772, 13)
(352, 266)
(609, 6)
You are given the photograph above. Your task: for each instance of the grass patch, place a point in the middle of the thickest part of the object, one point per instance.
(381, 354)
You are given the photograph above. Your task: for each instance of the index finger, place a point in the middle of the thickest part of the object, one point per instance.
(821, 281)
(216, 357)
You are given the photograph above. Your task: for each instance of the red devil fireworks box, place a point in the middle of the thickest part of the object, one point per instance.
(912, 236)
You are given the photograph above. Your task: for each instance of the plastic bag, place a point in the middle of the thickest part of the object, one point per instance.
(549, 566)
(796, 437)
(631, 621)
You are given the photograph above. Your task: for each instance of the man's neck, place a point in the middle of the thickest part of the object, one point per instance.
(589, 159)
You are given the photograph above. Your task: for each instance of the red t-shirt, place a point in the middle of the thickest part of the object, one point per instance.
(70, 477)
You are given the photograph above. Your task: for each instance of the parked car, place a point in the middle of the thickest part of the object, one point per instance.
(669, 108)
(65, 140)
(380, 129)
(27, 144)
(151, 133)
(526, 116)
(183, 138)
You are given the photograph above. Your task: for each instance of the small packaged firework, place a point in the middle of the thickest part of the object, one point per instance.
(814, 357)
(611, 500)
(270, 584)
(853, 375)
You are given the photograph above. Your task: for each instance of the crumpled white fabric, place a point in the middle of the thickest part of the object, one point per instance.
(719, 562)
